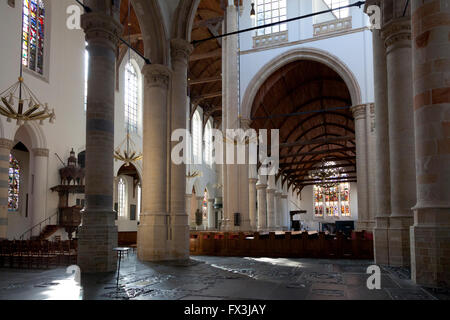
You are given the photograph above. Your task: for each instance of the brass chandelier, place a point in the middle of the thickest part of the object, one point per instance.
(20, 103)
(324, 174)
(123, 153)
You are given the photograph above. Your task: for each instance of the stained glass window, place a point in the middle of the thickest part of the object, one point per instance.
(131, 97)
(271, 11)
(33, 28)
(121, 197)
(333, 201)
(14, 184)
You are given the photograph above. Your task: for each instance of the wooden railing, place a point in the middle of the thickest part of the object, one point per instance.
(40, 225)
(288, 245)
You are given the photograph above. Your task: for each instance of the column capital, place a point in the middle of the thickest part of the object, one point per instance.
(284, 196)
(359, 111)
(252, 180)
(397, 34)
(40, 152)
(180, 50)
(156, 75)
(188, 196)
(6, 144)
(199, 198)
(271, 191)
(261, 186)
(211, 200)
(101, 28)
(278, 194)
(245, 123)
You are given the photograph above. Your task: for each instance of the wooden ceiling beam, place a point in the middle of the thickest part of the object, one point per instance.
(206, 55)
(315, 141)
(335, 159)
(315, 183)
(312, 153)
(204, 80)
(207, 22)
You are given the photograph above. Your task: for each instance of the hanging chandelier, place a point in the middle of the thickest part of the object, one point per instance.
(123, 153)
(20, 103)
(193, 175)
(326, 175)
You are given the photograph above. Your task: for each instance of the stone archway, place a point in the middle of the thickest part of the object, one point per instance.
(299, 54)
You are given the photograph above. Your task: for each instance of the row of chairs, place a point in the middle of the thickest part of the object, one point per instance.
(37, 253)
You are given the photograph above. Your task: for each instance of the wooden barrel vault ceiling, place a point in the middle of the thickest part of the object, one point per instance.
(306, 101)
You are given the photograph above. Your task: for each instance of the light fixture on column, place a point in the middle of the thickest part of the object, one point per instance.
(125, 152)
(193, 175)
(20, 103)
(252, 11)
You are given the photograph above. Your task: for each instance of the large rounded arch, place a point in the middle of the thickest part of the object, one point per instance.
(291, 56)
(154, 34)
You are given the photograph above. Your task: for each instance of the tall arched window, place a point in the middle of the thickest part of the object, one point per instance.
(121, 197)
(131, 97)
(139, 201)
(208, 143)
(197, 138)
(322, 5)
(33, 28)
(14, 184)
(270, 11)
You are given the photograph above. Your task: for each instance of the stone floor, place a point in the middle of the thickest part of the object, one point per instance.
(211, 278)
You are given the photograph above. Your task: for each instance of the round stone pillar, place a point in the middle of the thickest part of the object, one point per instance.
(278, 211)
(154, 229)
(262, 206)
(284, 212)
(271, 209)
(430, 235)
(382, 171)
(359, 113)
(252, 199)
(211, 218)
(98, 233)
(180, 51)
(5, 150)
(397, 35)
(188, 200)
(40, 188)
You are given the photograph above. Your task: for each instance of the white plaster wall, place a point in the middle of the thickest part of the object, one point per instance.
(62, 88)
(354, 50)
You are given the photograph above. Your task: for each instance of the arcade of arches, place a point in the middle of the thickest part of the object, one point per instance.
(390, 141)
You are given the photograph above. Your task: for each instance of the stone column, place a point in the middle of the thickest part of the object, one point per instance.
(278, 211)
(235, 176)
(5, 150)
(98, 233)
(252, 204)
(153, 231)
(211, 225)
(397, 35)
(271, 209)
(359, 113)
(382, 170)
(285, 211)
(40, 188)
(430, 235)
(262, 206)
(187, 199)
(180, 51)
(199, 207)
(370, 126)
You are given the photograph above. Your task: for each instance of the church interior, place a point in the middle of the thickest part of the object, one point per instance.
(224, 149)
